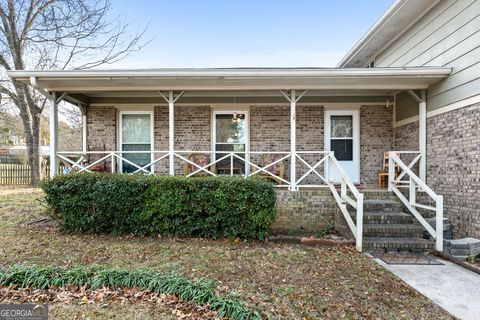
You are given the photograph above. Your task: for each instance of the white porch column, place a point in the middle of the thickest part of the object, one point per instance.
(422, 132)
(171, 99)
(83, 110)
(53, 134)
(171, 132)
(293, 141)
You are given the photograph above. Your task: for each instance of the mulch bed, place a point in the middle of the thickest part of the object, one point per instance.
(106, 297)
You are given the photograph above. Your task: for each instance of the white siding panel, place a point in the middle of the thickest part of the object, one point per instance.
(456, 80)
(422, 54)
(448, 35)
(464, 91)
(452, 56)
(433, 20)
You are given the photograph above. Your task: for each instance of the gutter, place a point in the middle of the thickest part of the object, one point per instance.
(33, 76)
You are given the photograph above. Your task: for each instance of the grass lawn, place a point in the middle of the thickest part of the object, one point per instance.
(282, 281)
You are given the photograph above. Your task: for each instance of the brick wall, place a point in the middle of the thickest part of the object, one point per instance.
(269, 131)
(305, 212)
(101, 128)
(453, 164)
(376, 137)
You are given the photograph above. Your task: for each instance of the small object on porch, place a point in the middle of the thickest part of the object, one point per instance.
(200, 159)
(277, 169)
(383, 175)
(236, 169)
(102, 165)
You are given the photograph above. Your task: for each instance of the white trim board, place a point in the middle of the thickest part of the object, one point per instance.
(451, 107)
(220, 105)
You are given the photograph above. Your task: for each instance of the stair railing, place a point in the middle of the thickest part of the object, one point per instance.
(343, 199)
(415, 184)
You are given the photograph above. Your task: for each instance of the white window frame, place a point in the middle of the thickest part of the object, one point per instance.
(152, 137)
(345, 111)
(231, 110)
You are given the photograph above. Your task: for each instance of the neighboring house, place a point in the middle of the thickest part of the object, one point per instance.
(410, 84)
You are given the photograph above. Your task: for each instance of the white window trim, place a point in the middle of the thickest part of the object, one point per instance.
(152, 137)
(355, 112)
(231, 110)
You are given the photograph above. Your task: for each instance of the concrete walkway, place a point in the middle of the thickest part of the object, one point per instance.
(455, 289)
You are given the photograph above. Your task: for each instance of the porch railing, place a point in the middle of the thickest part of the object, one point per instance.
(406, 178)
(316, 167)
(343, 199)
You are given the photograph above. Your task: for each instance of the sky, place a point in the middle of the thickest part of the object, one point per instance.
(246, 33)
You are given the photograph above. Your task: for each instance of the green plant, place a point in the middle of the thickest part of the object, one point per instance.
(201, 291)
(210, 207)
(329, 228)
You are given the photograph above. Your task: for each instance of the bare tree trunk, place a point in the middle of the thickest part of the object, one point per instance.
(35, 157)
(31, 125)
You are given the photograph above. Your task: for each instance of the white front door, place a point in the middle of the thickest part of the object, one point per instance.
(230, 134)
(342, 136)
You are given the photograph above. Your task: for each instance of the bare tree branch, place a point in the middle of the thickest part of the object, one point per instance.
(56, 34)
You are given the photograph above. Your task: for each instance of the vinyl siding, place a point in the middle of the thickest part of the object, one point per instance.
(448, 35)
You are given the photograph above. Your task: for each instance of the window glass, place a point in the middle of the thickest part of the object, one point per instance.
(136, 128)
(343, 149)
(136, 136)
(230, 131)
(341, 127)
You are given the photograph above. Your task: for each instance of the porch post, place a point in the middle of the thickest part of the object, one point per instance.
(84, 128)
(293, 141)
(53, 134)
(422, 132)
(171, 130)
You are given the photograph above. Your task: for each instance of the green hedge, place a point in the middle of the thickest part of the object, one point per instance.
(210, 207)
(200, 291)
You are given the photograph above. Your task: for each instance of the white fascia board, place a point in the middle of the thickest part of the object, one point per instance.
(234, 73)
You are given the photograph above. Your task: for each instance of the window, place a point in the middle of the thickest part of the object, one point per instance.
(136, 135)
(341, 137)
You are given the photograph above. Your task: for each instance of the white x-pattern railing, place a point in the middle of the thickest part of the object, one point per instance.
(316, 174)
(406, 178)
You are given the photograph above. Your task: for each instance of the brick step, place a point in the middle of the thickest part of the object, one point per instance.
(378, 195)
(385, 205)
(397, 243)
(388, 217)
(392, 230)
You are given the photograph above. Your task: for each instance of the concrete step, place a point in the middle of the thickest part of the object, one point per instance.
(385, 205)
(387, 217)
(397, 243)
(392, 230)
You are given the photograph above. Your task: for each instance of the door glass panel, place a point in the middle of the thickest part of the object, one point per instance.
(341, 126)
(230, 134)
(229, 130)
(136, 136)
(343, 149)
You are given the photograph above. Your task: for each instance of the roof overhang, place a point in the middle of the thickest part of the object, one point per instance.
(391, 25)
(93, 82)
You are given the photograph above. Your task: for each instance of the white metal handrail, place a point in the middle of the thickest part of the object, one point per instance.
(416, 184)
(343, 199)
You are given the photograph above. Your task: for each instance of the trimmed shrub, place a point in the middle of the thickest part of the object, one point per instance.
(209, 207)
(201, 291)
